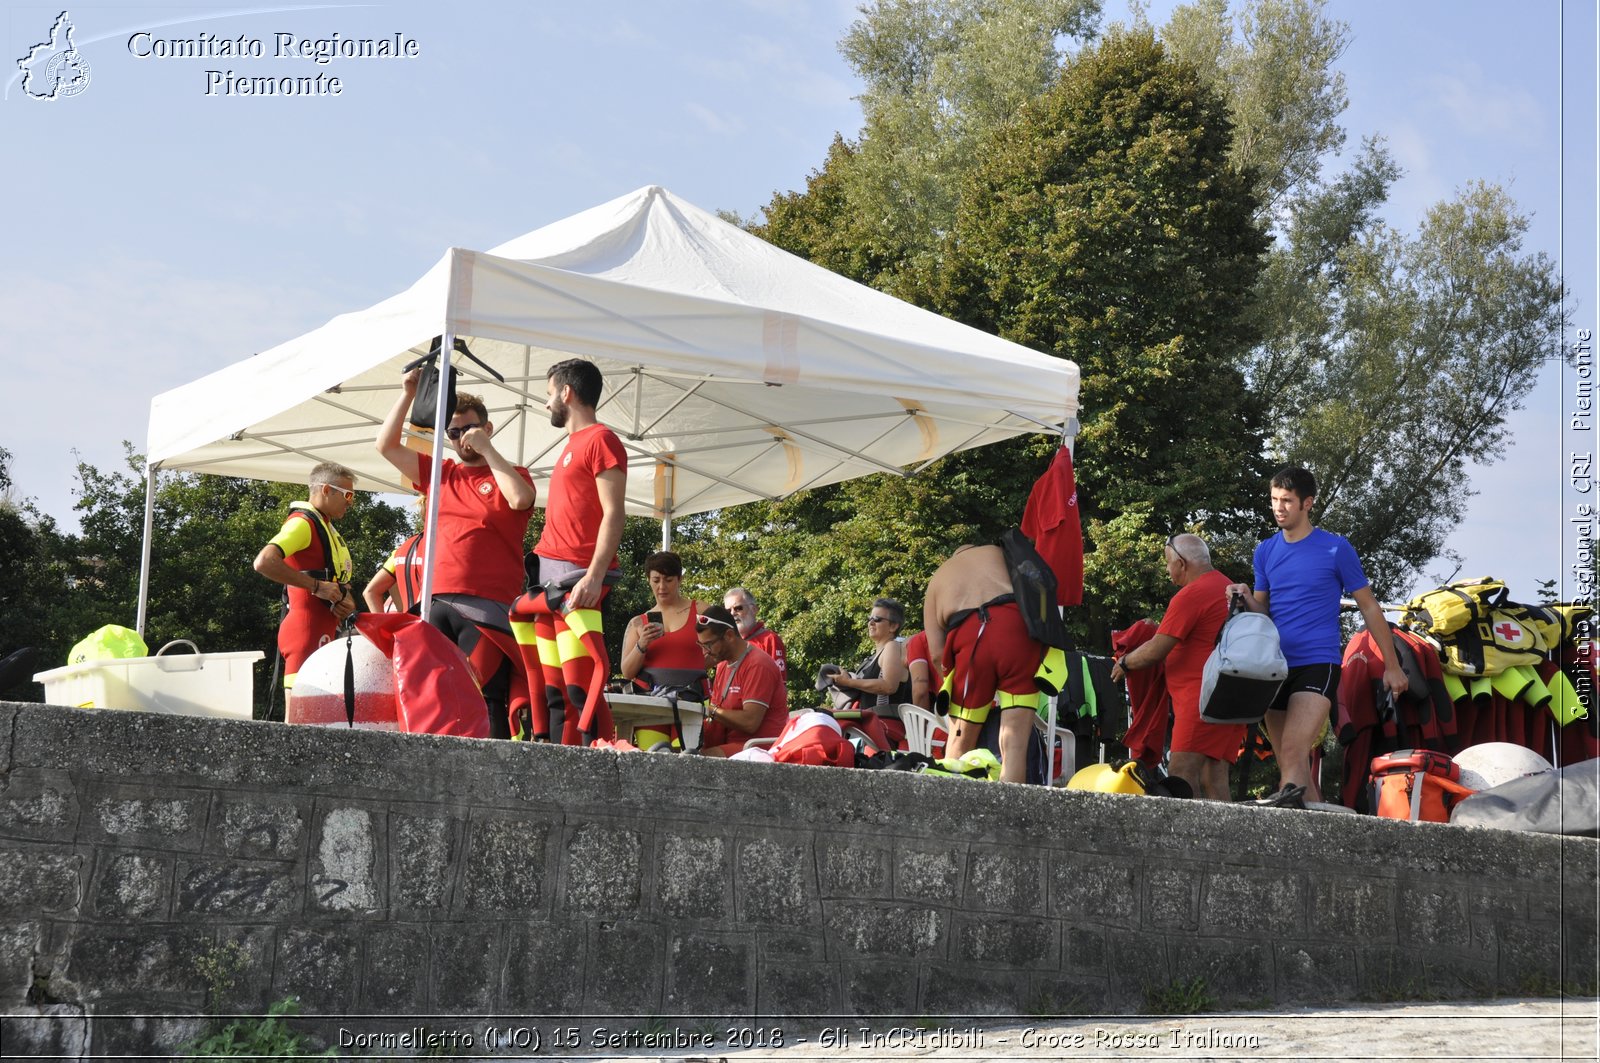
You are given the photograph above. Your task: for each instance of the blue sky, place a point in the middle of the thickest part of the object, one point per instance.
(159, 233)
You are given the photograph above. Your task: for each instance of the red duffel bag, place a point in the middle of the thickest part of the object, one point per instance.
(434, 684)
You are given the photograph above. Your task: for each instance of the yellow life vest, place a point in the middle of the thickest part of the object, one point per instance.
(1446, 610)
(339, 567)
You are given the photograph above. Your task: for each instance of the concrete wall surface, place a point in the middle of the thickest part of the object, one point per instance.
(403, 876)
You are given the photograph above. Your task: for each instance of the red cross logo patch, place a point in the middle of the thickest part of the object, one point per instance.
(486, 488)
(1508, 631)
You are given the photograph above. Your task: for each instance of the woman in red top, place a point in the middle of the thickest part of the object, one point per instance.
(669, 642)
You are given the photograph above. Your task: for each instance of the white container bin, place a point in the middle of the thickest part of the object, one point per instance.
(186, 684)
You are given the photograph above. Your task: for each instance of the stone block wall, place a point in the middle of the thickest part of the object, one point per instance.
(406, 876)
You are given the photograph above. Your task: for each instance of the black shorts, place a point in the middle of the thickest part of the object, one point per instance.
(1317, 678)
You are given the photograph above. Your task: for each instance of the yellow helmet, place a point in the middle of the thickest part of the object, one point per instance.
(1108, 780)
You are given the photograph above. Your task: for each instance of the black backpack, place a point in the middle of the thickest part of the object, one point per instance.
(1033, 583)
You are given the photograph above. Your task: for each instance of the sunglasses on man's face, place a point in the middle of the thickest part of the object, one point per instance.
(348, 493)
(460, 430)
(879, 620)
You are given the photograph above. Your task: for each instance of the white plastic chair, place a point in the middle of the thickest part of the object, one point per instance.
(920, 725)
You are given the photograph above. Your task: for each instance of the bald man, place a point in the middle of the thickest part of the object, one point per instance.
(1201, 752)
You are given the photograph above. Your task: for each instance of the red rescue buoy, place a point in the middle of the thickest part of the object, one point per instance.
(318, 695)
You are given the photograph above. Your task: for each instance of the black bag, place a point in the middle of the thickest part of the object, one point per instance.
(1034, 585)
(427, 400)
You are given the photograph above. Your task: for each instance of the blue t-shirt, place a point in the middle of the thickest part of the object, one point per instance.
(1304, 581)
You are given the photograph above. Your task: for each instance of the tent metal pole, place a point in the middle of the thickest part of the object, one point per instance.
(522, 422)
(666, 532)
(441, 421)
(144, 551)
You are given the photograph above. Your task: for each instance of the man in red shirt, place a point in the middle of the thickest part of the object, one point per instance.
(316, 586)
(742, 604)
(748, 699)
(557, 624)
(485, 503)
(1201, 752)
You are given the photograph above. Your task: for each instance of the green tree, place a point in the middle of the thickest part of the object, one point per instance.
(939, 76)
(1104, 224)
(1390, 359)
(1107, 225)
(30, 583)
(1395, 370)
(1274, 62)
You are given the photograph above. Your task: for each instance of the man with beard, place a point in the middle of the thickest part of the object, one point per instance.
(557, 623)
(485, 503)
(742, 604)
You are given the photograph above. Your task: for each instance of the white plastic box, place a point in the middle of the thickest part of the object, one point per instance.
(186, 684)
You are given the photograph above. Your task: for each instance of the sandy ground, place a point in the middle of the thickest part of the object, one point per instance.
(1533, 1029)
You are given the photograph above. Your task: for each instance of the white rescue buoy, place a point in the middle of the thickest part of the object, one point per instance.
(1488, 764)
(318, 695)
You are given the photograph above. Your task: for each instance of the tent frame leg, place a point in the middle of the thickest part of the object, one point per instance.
(144, 550)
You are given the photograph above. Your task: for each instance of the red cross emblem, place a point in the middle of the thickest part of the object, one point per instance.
(1508, 631)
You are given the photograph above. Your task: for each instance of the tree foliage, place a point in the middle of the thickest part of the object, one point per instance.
(1108, 226)
(939, 76)
(1396, 370)
(1105, 223)
(1273, 61)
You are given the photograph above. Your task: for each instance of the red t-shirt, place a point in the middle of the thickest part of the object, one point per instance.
(481, 533)
(917, 650)
(767, 640)
(756, 679)
(572, 512)
(1194, 616)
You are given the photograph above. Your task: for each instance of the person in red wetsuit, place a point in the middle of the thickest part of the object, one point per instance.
(485, 503)
(748, 699)
(558, 624)
(1201, 752)
(316, 585)
(977, 633)
(742, 604)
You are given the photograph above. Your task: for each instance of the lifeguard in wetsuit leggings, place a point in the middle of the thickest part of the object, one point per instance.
(557, 624)
(977, 632)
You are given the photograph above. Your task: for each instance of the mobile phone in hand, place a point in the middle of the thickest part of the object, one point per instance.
(652, 617)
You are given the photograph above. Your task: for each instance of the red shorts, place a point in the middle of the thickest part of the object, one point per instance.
(1000, 659)
(1191, 734)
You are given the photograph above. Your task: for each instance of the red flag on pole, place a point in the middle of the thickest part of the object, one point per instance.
(1051, 521)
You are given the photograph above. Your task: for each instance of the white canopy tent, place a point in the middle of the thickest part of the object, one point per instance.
(734, 370)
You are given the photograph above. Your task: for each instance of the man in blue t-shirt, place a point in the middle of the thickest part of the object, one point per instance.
(1301, 573)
